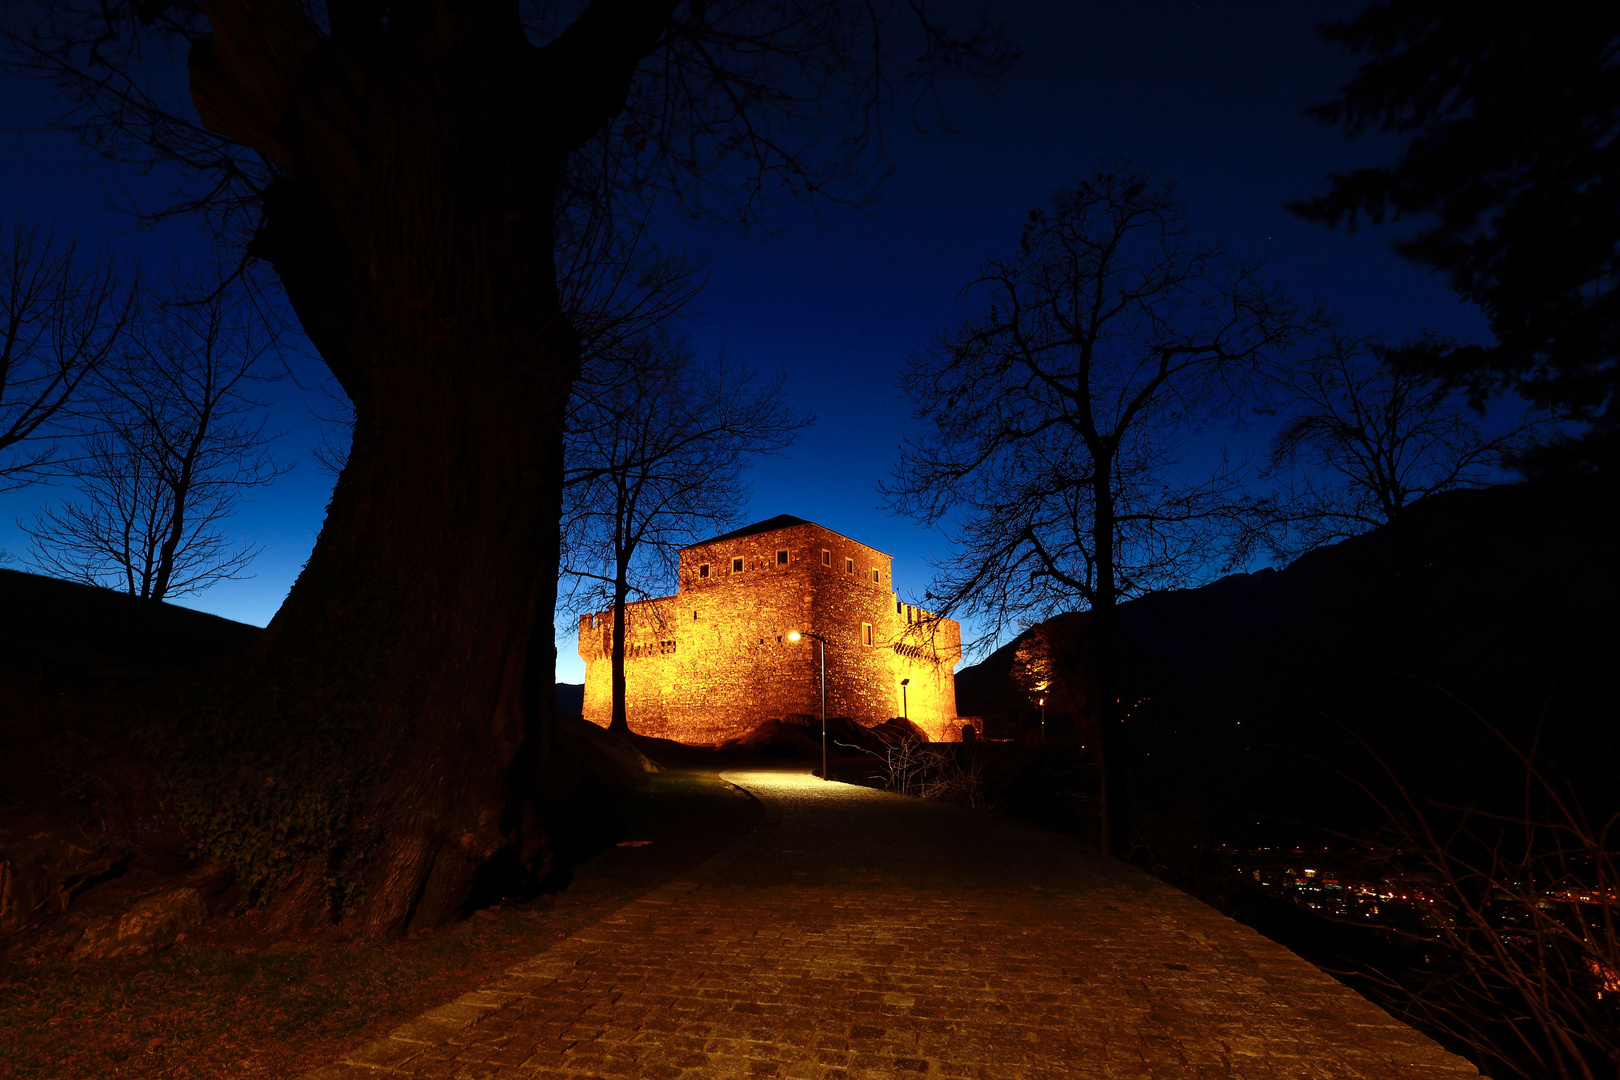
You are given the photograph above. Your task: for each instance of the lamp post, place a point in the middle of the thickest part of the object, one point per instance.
(1043, 720)
(794, 635)
(905, 710)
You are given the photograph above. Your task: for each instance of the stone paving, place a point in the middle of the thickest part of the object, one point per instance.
(864, 935)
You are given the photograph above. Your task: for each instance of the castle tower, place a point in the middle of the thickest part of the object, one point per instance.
(713, 660)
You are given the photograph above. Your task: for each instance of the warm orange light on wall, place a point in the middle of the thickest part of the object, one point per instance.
(712, 676)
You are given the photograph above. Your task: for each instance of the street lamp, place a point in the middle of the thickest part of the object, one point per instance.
(794, 635)
(905, 710)
(1043, 720)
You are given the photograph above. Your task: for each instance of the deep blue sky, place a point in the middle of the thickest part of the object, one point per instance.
(1210, 95)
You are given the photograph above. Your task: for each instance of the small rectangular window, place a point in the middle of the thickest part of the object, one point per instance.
(866, 633)
(737, 565)
(849, 566)
(781, 558)
(703, 571)
(826, 557)
(875, 575)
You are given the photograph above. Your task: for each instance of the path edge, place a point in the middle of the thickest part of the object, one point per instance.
(449, 1022)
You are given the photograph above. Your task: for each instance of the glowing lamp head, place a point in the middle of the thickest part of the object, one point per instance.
(794, 635)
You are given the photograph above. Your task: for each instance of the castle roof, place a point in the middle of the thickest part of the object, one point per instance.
(780, 521)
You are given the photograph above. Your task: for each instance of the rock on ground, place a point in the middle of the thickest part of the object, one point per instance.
(153, 924)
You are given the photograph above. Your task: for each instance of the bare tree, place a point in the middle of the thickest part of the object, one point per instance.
(1052, 420)
(1376, 439)
(176, 442)
(656, 456)
(399, 165)
(59, 322)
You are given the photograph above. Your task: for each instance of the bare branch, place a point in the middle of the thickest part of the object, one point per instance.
(656, 454)
(175, 442)
(1365, 442)
(59, 325)
(1108, 333)
(1053, 417)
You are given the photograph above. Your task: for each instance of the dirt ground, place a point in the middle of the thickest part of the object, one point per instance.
(228, 1002)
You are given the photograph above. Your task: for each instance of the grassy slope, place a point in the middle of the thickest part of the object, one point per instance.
(75, 664)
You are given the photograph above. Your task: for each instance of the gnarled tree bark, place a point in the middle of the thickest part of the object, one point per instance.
(411, 225)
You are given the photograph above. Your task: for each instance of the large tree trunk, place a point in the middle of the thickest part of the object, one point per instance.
(1111, 757)
(412, 228)
(1411, 586)
(1114, 795)
(621, 593)
(433, 570)
(417, 606)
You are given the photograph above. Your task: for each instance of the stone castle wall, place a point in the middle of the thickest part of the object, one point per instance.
(715, 659)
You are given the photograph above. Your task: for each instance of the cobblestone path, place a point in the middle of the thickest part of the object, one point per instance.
(859, 934)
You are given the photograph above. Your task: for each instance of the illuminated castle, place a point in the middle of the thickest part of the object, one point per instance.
(715, 659)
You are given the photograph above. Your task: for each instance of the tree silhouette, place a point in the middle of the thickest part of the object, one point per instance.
(655, 461)
(59, 323)
(1377, 439)
(174, 443)
(1049, 451)
(399, 166)
(1512, 162)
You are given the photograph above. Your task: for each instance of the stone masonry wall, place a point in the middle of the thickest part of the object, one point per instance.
(715, 659)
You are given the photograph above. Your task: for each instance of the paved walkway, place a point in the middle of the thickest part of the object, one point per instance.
(859, 934)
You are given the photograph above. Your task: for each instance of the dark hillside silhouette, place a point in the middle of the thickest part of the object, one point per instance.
(570, 698)
(85, 829)
(1249, 679)
(90, 680)
(45, 616)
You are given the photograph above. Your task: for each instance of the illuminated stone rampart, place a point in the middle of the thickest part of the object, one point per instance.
(715, 659)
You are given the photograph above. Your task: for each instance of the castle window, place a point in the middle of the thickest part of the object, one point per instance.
(703, 571)
(866, 633)
(849, 566)
(826, 557)
(694, 614)
(781, 558)
(737, 565)
(875, 574)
